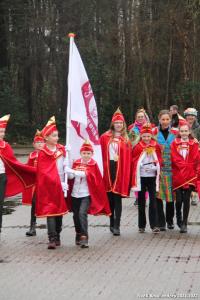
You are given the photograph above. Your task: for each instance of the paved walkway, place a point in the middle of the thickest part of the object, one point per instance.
(128, 267)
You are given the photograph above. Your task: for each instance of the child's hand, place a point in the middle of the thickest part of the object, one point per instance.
(64, 186)
(150, 168)
(79, 173)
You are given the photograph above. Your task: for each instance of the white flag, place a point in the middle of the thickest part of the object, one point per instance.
(82, 116)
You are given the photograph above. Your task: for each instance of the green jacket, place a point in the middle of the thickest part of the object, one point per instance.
(196, 130)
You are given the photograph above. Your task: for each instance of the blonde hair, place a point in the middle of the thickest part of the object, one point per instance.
(123, 132)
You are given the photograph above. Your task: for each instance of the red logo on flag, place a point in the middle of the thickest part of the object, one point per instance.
(91, 112)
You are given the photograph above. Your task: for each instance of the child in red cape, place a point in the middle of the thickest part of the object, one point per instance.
(116, 153)
(146, 161)
(184, 157)
(87, 193)
(50, 186)
(29, 196)
(14, 176)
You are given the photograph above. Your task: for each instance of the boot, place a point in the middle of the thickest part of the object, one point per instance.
(84, 241)
(52, 241)
(32, 230)
(116, 230)
(183, 228)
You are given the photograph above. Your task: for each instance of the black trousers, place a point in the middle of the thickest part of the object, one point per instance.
(54, 227)
(147, 184)
(182, 199)
(80, 214)
(3, 181)
(33, 217)
(115, 200)
(169, 213)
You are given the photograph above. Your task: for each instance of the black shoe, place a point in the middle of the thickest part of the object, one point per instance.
(111, 229)
(116, 231)
(141, 230)
(84, 241)
(156, 230)
(183, 228)
(136, 202)
(162, 228)
(170, 225)
(32, 231)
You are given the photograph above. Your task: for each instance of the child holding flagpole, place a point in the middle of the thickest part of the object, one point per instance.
(88, 194)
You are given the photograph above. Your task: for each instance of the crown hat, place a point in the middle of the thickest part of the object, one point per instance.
(183, 122)
(38, 136)
(86, 146)
(118, 116)
(146, 128)
(4, 121)
(49, 127)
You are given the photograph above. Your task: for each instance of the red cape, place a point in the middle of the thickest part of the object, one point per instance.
(50, 199)
(99, 202)
(27, 195)
(19, 176)
(184, 171)
(137, 152)
(122, 182)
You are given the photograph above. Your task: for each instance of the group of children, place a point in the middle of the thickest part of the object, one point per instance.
(163, 162)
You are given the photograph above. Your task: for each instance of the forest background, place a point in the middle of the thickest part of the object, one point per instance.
(137, 53)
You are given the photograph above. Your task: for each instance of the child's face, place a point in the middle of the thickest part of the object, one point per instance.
(2, 133)
(165, 121)
(86, 155)
(52, 139)
(118, 126)
(146, 138)
(38, 145)
(184, 132)
(140, 117)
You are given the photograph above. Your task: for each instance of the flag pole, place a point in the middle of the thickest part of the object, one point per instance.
(68, 123)
(68, 120)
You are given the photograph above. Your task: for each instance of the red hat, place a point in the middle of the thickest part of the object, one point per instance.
(183, 122)
(118, 116)
(38, 137)
(4, 121)
(86, 147)
(50, 127)
(146, 128)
